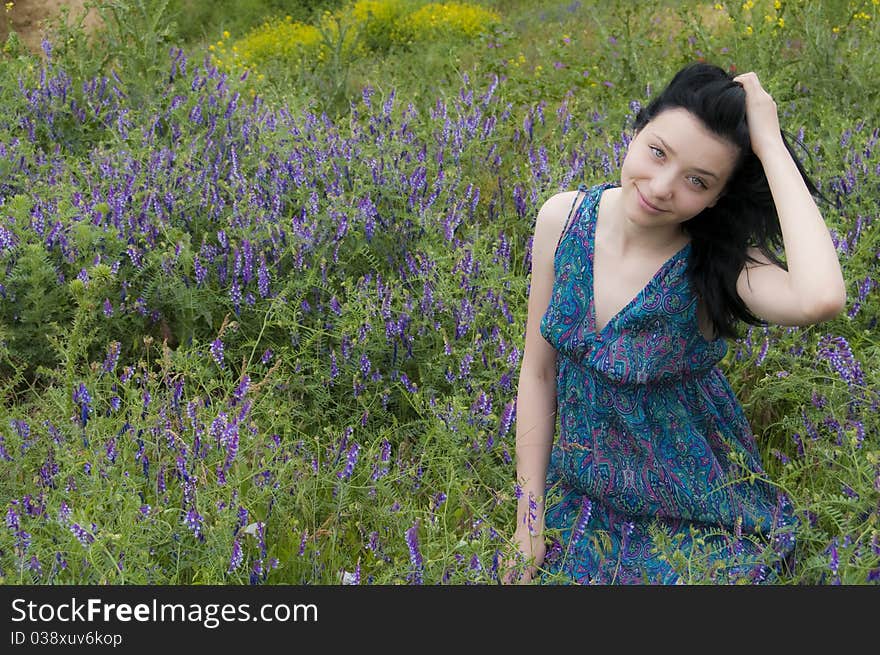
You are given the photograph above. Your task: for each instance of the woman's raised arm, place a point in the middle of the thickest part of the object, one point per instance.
(813, 288)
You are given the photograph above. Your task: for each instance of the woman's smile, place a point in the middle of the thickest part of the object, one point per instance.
(647, 205)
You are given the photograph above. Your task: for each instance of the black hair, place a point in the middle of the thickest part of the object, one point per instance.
(745, 214)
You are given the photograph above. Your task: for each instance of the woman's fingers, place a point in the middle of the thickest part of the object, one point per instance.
(513, 572)
(761, 113)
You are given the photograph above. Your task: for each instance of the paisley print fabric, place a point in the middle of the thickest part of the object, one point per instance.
(655, 467)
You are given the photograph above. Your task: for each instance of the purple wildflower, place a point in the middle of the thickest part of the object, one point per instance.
(507, 417)
(64, 513)
(263, 278)
(366, 366)
(4, 454)
(217, 351)
(112, 358)
(415, 557)
(240, 390)
(84, 400)
(352, 578)
(257, 573)
(834, 561)
(410, 386)
(532, 517)
(350, 463)
(82, 535)
(839, 354)
(12, 519)
(436, 502)
(194, 522)
(261, 538)
(475, 564)
(583, 520)
(381, 469)
(111, 450)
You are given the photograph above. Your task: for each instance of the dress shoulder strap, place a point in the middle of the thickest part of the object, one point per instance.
(582, 189)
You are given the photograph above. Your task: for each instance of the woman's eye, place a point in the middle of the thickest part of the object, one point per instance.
(698, 182)
(657, 152)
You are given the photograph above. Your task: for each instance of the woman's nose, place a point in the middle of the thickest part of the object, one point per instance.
(662, 185)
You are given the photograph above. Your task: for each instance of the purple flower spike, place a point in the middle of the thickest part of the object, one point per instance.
(350, 463)
(839, 354)
(415, 557)
(82, 535)
(217, 351)
(84, 400)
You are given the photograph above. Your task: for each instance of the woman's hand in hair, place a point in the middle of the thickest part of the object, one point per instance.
(761, 115)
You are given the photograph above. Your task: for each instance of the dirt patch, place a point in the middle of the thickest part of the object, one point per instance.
(27, 18)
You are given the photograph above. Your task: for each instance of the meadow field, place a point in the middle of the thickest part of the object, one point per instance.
(264, 272)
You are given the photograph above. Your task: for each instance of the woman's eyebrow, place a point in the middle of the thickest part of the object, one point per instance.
(666, 147)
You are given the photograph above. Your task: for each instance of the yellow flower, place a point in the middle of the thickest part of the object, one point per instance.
(835, 29)
(719, 6)
(225, 34)
(9, 6)
(777, 5)
(434, 19)
(749, 29)
(781, 22)
(748, 5)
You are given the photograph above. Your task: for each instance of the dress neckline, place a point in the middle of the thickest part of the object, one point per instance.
(658, 275)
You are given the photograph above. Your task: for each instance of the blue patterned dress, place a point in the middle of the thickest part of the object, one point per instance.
(650, 473)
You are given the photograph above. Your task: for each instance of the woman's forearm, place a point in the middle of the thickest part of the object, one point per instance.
(535, 426)
(813, 266)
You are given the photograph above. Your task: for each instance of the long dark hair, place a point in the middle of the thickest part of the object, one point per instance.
(745, 215)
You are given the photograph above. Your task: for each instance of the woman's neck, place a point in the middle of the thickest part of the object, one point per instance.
(623, 237)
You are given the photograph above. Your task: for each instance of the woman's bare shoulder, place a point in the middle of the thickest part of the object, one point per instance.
(552, 216)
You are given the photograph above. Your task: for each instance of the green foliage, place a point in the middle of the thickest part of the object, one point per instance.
(317, 58)
(34, 308)
(133, 41)
(201, 22)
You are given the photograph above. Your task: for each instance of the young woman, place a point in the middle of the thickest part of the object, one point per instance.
(635, 286)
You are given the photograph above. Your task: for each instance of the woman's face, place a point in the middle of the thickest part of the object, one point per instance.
(674, 168)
